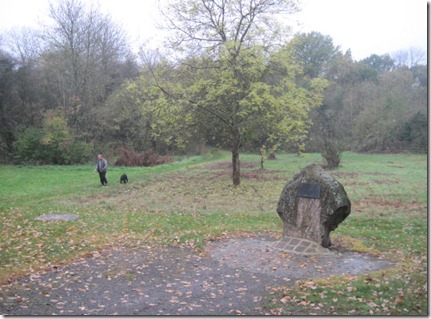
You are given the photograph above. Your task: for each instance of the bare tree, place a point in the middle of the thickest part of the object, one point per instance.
(84, 48)
(24, 45)
(410, 58)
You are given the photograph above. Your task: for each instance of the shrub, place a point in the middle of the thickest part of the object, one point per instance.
(331, 152)
(414, 133)
(79, 152)
(32, 147)
(29, 147)
(147, 158)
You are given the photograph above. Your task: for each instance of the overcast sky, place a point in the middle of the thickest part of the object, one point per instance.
(364, 26)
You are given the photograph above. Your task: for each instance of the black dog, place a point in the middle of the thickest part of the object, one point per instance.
(124, 179)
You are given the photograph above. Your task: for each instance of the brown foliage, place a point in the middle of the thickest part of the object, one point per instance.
(147, 158)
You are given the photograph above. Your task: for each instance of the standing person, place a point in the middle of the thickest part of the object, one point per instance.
(102, 167)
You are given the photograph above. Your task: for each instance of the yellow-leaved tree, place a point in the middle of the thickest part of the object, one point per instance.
(233, 75)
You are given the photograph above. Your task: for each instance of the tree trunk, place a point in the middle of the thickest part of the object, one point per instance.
(236, 172)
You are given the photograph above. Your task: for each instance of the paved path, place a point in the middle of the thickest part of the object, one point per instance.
(231, 277)
(300, 246)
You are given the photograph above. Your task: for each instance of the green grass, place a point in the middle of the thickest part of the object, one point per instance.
(191, 201)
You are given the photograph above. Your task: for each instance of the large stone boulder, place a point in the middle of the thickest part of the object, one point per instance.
(312, 205)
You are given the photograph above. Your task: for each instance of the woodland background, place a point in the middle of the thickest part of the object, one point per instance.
(73, 88)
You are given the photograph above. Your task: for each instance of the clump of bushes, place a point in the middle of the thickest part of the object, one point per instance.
(51, 144)
(32, 148)
(147, 158)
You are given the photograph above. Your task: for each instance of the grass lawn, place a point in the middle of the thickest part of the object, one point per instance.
(192, 201)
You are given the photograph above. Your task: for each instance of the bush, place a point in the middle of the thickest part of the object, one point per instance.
(331, 152)
(31, 147)
(147, 158)
(79, 152)
(414, 133)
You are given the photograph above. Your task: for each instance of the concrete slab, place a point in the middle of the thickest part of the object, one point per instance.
(57, 217)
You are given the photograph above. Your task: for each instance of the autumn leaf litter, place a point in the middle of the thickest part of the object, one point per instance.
(231, 276)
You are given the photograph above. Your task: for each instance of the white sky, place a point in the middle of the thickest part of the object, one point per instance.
(364, 26)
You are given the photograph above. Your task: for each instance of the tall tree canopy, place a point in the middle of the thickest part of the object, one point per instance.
(315, 52)
(237, 82)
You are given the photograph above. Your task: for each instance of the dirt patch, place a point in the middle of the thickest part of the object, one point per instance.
(264, 174)
(345, 175)
(252, 175)
(356, 174)
(406, 207)
(385, 182)
(231, 277)
(228, 165)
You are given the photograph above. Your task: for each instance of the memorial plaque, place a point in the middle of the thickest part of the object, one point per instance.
(309, 190)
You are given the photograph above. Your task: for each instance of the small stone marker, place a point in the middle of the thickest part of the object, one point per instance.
(57, 217)
(312, 205)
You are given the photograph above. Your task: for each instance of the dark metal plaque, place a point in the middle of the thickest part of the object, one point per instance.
(309, 190)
